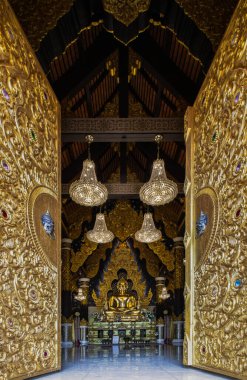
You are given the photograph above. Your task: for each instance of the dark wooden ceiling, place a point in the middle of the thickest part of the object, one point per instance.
(100, 67)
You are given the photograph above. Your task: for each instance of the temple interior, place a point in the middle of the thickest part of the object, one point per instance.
(123, 79)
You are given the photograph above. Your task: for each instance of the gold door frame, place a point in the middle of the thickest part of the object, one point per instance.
(216, 202)
(30, 216)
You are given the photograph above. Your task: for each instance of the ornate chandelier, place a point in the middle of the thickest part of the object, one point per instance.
(100, 233)
(87, 191)
(159, 190)
(148, 233)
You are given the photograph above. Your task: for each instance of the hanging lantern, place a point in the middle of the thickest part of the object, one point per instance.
(159, 190)
(88, 191)
(148, 233)
(100, 233)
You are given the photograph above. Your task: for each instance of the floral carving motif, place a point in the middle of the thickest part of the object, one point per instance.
(126, 11)
(219, 305)
(29, 281)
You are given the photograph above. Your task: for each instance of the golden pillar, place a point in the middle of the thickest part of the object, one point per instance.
(67, 320)
(66, 255)
(179, 276)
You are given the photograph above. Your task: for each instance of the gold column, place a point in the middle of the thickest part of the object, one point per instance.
(66, 255)
(179, 253)
(179, 274)
(67, 319)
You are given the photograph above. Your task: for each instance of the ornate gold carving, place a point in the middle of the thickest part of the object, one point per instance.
(91, 265)
(165, 256)
(135, 108)
(209, 16)
(40, 199)
(123, 125)
(112, 108)
(187, 185)
(37, 18)
(152, 261)
(78, 258)
(126, 11)
(29, 186)
(220, 151)
(122, 258)
(206, 200)
(124, 221)
(115, 188)
(66, 274)
(179, 266)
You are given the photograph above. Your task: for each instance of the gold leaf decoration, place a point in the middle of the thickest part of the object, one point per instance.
(38, 17)
(165, 256)
(126, 11)
(209, 16)
(219, 152)
(152, 261)
(78, 258)
(123, 258)
(29, 210)
(123, 220)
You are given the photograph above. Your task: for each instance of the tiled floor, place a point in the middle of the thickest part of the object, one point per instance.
(120, 363)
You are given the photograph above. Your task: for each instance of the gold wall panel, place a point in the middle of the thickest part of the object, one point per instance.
(122, 258)
(29, 187)
(216, 288)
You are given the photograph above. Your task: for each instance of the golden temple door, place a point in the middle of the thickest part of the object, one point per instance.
(216, 218)
(29, 209)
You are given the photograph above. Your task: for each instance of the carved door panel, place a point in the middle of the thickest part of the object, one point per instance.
(29, 210)
(216, 218)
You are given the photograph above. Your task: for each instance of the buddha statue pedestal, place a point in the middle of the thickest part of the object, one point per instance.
(131, 316)
(123, 306)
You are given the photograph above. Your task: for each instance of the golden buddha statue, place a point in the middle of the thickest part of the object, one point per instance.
(123, 306)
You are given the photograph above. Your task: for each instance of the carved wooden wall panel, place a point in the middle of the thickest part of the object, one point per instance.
(216, 227)
(29, 210)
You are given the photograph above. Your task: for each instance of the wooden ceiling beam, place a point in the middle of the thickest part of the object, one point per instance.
(123, 72)
(163, 68)
(136, 167)
(129, 190)
(137, 96)
(109, 99)
(122, 129)
(86, 67)
(159, 95)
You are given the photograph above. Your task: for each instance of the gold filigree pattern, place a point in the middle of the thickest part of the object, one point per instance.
(78, 258)
(123, 258)
(123, 220)
(91, 265)
(38, 17)
(165, 256)
(210, 17)
(126, 11)
(220, 154)
(152, 261)
(29, 178)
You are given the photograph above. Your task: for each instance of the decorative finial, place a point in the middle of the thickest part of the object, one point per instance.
(89, 139)
(158, 139)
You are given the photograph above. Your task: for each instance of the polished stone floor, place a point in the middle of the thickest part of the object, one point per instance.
(121, 363)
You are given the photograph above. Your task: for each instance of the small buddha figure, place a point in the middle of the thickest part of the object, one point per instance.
(123, 305)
